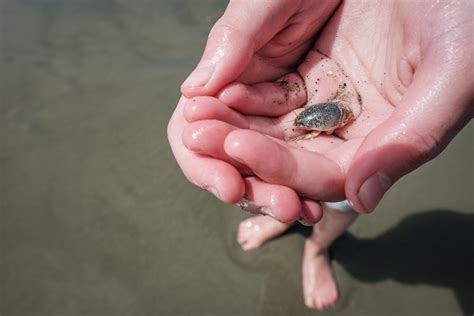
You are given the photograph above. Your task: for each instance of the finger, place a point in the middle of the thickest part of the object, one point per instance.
(216, 176)
(310, 174)
(429, 115)
(277, 201)
(210, 108)
(268, 98)
(324, 81)
(287, 49)
(243, 29)
(207, 137)
(268, 69)
(311, 212)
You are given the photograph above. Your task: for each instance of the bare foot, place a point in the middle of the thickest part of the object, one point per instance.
(255, 231)
(319, 285)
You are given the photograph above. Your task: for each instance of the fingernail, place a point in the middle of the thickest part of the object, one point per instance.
(253, 208)
(199, 77)
(267, 211)
(304, 220)
(373, 189)
(248, 206)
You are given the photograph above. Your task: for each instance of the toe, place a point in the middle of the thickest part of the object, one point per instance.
(319, 303)
(309, 301)
(241, 239)
(241, 235)
(251, 245)
(246, 246)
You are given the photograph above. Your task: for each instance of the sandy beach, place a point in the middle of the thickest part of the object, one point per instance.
(97, 218)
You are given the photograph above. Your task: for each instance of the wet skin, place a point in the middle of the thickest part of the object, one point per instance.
(401, 72)
(319, 285)
(401, 78)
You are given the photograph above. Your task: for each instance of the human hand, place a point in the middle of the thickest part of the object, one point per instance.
(410, 108)
(254, 41)
(257, 41)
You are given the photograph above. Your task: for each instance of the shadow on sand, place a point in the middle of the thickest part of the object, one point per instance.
(432, 247)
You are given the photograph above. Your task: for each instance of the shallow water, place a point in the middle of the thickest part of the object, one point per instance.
(96, 218)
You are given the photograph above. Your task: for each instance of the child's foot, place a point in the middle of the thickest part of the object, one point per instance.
(255, 231)
(319, 285)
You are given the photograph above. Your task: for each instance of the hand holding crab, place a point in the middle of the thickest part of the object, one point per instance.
(384, 98)
(410, 110)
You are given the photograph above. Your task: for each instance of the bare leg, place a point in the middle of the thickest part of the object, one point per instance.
(255, 231)
(319, 284)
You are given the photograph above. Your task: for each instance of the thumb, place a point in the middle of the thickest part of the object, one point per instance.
(429, 115)
(244, 28)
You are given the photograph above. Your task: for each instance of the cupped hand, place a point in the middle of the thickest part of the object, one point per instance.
(254, 41)
(257, 41)
(410, 63)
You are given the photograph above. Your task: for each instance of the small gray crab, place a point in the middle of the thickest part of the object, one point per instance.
(323, 117)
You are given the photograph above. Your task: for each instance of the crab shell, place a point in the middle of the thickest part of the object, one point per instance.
(324, 117)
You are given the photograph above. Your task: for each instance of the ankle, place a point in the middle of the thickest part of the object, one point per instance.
(315, 248)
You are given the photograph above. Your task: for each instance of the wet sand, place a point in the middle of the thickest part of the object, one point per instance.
(97, 219)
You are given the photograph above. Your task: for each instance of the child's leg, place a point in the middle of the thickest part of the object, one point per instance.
(319, 285)
(255, 231)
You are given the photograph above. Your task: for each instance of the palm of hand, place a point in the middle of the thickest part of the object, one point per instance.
(321, 77)
(379, 60)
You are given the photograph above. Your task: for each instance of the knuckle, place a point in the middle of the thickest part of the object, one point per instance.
(224, 27)
(227, 31)
(426, 145)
